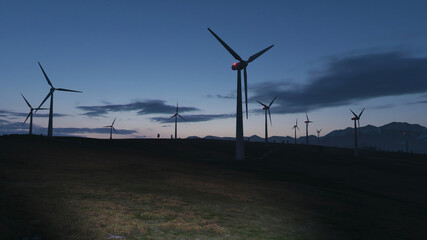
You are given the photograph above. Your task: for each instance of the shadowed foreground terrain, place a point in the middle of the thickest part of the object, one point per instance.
(76, 188)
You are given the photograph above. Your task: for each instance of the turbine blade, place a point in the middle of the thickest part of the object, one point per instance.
(48, 95)
(256, 55)
(361, 112)
(176, 111)
(306, 115)
(272, 101)
(353, 113)
(298, 128)
(261, 103)
(246, 90)
(113, 122)
(47, 79)
(114, 130)
(27, 117)
(41, 109)
(270, 116)
(107, 126)
(67, 90)
(172, 116)
(26, 101)
(235, 55)
(181, 117)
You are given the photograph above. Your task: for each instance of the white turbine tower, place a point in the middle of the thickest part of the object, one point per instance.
(239, 66)
(295, 127)
(112, 128)
(30, 114)
(176, 115)
(50, 94)
(267, 109)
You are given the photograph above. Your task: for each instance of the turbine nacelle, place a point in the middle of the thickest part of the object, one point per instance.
(239, 65)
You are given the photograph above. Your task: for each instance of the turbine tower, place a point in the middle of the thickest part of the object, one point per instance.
(356, 118)
(176, 115)
(318, 136)
(242, 64)
(30, 114)
(112, 128)
(50, 94)
(267, 109)
(295, 127)
(307, 122)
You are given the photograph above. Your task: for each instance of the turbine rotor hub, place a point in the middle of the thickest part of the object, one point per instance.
(239, 65)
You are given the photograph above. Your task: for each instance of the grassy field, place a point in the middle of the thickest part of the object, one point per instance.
(74, 188)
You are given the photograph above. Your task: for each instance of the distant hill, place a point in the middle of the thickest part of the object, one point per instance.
(388, 137)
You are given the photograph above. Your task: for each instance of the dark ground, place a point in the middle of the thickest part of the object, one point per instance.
(76, 188)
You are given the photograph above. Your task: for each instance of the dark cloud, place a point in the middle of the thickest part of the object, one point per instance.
(7, 127)
(194, 118)
(385, 106)
(228, 96)
(350, 79)
(11, 114)
(144, 107)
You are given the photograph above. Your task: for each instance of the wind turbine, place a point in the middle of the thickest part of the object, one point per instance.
(50, 94)
(242, 64)
(318, 136)
(176, 115)
(112, 128)
(356, 118)
(295, 127)
(30, 114)
(267, 109)
(306, 128)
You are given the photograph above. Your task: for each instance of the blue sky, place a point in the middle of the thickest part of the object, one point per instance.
(135, 60)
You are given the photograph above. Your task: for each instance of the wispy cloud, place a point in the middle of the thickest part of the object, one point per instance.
(349, 79)
(141, 107)
(194, 118)
(14, 115)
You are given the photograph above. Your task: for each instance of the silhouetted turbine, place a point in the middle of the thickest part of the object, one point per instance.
(267, 109)
(306, 128)
(176, 115)
(112, 128)
(295, 127)
(318, 136)
(30, 114)
(356, 118)
(240, 151)
(50, 94)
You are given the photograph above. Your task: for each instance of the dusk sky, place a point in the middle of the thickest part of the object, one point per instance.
(135, 60)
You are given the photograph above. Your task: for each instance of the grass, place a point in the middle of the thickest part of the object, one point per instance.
(73, 188)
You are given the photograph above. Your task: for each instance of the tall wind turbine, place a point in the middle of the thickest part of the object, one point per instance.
(112, 128)
(318, 136)
(307, 122)
(356, 118)
(30, 114)
(242, 64)
(267, 109)
(295, 127)
(50, 94)
(176, 115)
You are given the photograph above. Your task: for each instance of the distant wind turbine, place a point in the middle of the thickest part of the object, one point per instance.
(50, 94)
(318, 136)
(242, 64)
(176, 115)
(306, 128)
(30, 114)
(356, 118)
(295, 127)
(112, 128)
(267, 109)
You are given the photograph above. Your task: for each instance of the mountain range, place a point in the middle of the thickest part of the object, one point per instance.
(389, 137)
